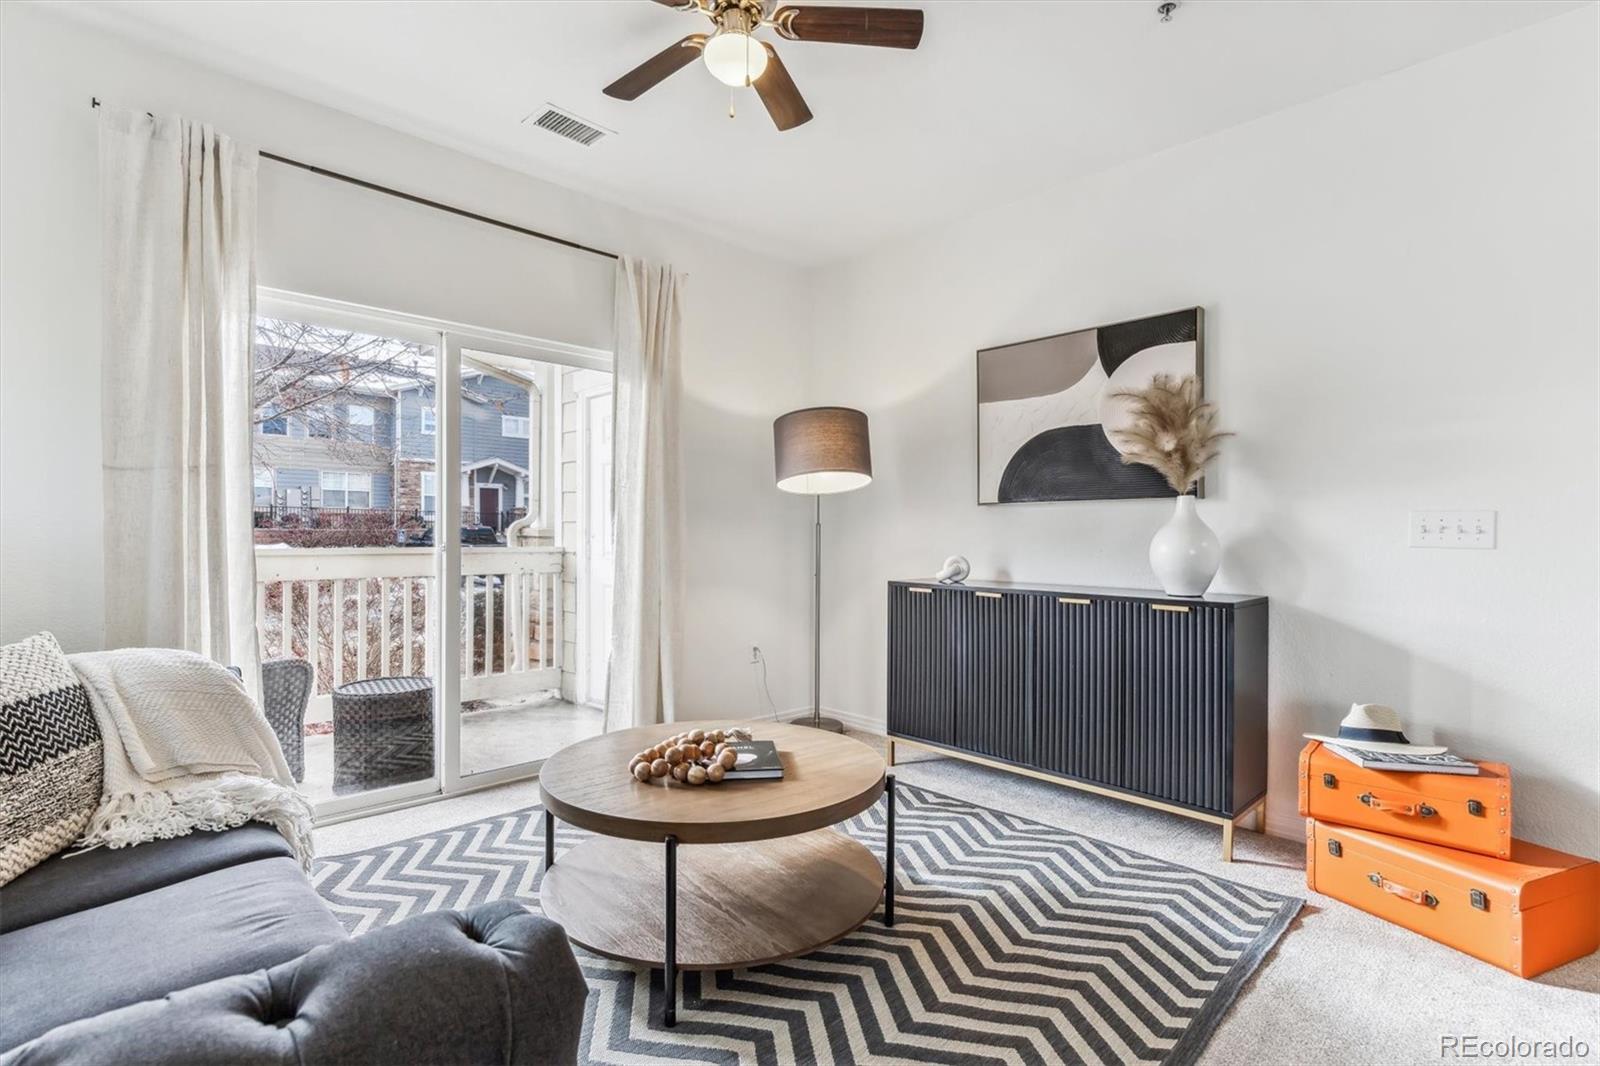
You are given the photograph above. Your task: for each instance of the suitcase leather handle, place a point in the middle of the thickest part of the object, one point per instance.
(1414, 895)
(1379, 802)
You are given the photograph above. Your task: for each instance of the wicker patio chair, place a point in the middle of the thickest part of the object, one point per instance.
(285, 691)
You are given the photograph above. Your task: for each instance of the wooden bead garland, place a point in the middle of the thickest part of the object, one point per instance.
(697, 757)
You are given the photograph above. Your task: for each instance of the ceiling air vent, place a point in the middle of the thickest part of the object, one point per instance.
(565, 124)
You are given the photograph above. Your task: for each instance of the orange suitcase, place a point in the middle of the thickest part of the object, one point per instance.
(1528, 914)
(1472, 813)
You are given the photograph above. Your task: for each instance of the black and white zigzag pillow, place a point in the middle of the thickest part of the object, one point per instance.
(51, 759)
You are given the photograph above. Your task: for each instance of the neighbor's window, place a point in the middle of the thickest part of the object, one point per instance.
(429, 426)
(263, 486)
(513, 426)
(273, 422)
(345, 488)
(360, 420)
(430, 494)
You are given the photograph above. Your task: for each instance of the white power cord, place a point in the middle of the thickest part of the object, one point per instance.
(759, 659)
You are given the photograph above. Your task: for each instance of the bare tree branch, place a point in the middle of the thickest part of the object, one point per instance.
(315, 373)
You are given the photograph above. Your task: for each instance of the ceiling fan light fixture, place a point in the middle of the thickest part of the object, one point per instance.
(735, 58)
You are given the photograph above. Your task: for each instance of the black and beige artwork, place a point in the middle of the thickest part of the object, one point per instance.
(1047, 409)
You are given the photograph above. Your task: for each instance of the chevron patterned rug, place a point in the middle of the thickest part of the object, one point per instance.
(1014, 942)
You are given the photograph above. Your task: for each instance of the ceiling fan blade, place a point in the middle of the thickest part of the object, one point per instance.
(657, 69)
(885, 27)
(777, 90)
(681, 5)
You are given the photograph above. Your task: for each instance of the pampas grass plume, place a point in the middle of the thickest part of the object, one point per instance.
(1174, 431)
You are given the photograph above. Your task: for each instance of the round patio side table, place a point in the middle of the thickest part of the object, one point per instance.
(382, 733)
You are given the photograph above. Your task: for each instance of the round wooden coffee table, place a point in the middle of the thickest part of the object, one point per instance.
(768, 880)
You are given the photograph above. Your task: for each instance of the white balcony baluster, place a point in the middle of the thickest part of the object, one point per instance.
(526, 583)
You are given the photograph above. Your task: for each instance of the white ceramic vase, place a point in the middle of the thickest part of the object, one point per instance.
(1185, 553)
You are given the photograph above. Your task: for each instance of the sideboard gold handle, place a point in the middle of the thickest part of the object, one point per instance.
(989, 595)
(1074, 599)
(925, 592)
(1173, 607)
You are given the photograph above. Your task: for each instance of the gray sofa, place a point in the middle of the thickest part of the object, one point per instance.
(215, 948)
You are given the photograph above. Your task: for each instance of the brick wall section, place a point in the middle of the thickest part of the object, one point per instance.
(408, 487)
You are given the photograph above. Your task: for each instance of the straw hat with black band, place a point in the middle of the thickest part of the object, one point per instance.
(1374, 727)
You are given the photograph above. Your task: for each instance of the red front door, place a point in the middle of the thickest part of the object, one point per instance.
(489, 507)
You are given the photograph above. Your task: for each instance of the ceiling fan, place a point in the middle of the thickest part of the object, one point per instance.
(735, 57)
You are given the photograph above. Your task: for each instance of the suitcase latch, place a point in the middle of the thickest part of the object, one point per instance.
(1475, 807)
(1479, 900)
(1329, 781)
(1335, 849)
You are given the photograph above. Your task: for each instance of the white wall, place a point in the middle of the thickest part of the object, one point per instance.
(1400, 292)
(747, 544)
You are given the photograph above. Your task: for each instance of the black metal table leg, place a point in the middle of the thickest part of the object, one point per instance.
(888, 854)
(669, 1014)
(549, 839)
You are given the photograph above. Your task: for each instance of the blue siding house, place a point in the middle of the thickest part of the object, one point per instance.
(376, 452)
(499, 449)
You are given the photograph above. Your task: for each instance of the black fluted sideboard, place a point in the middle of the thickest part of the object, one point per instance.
(1155, 699)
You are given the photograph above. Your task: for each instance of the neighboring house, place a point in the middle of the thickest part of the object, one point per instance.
(332, 455)
(499, 447)
(374, 449)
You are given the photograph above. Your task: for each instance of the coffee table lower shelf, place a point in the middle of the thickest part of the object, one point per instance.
(738, 905)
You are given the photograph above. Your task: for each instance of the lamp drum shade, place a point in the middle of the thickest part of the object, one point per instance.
(822, 450)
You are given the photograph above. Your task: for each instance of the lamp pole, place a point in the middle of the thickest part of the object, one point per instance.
(816, 617)
(815, 718)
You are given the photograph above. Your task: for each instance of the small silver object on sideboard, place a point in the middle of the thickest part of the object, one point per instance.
(955, 571)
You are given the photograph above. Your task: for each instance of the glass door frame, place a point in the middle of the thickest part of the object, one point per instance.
(448, 340)
(447, 541)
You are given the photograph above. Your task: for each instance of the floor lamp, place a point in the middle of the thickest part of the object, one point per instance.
(819, 451)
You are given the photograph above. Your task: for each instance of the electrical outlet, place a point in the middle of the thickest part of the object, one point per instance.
(1451, 529)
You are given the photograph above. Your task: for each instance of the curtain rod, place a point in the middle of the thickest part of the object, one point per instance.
(398, 194)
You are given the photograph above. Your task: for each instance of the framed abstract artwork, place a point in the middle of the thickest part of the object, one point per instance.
(1047, 408)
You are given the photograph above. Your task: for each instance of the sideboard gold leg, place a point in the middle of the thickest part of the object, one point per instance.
(1261, 815)
(889, 758)
(1227, 841)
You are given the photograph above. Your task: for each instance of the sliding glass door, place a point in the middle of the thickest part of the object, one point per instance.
(432, 528)
(345, 597)
(514, 559)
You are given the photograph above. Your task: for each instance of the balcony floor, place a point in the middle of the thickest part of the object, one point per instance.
(504, 735)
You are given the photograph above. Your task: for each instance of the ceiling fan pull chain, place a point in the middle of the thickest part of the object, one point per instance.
(730, 102)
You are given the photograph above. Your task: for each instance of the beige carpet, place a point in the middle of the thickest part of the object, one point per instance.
(1341, 988)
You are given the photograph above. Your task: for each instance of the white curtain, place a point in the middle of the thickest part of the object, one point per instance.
(178, 217)
(644, 629)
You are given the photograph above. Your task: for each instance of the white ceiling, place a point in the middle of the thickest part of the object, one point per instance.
(1002, 98)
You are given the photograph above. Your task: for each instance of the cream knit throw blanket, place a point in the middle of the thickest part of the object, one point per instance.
(185, 749)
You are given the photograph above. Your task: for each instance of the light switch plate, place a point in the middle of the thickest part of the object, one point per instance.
(1451, 529)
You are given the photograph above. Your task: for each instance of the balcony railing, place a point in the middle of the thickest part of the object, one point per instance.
(356, 613)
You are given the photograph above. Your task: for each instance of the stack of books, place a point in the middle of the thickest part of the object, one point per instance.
(1397, 763)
